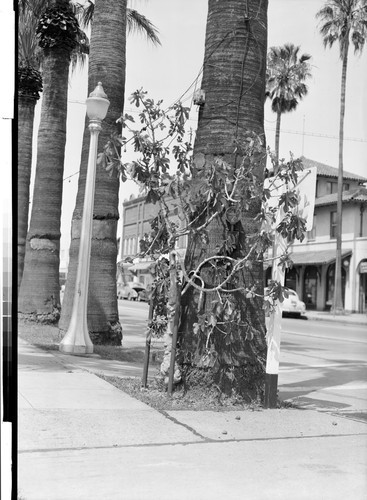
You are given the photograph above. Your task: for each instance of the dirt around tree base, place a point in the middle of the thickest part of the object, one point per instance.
(197, 398)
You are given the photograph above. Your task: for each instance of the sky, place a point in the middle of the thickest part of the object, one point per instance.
(167, 71)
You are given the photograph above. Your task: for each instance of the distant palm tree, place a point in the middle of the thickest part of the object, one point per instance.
(285, 82)
(345, 22)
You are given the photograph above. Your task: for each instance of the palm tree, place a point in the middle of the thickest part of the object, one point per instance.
(345, 22)
(39, 294)
(234, 84)
(107, 63)
(135, 21)
(29, 89)
(285, 82)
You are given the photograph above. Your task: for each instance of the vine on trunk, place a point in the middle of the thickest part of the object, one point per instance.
(198, 191)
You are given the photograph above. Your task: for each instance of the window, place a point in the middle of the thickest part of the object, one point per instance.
(332, 187)
(311, 235)
(332, 224)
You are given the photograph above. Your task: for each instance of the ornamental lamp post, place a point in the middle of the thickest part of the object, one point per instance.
(77, 340)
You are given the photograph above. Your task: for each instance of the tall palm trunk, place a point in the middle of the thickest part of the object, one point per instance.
(338, 306)
(107, 62)
(277, 134)
(234, 84)
(26, 107)
(39, 295)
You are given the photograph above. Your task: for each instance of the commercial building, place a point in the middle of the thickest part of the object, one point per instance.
(137, 216)
(312, 275)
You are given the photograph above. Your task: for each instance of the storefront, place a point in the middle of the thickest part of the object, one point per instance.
(362, 304)
(316, 271)
(313, 275)
(310, 286)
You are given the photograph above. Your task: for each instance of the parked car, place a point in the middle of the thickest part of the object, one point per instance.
(292, 305)
(144, 296)
(129, 291)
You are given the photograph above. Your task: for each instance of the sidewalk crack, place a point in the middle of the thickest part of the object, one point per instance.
(191, 429)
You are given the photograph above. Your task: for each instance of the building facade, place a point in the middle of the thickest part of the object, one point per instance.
(313, 272)
(137, 217)
(312, 275)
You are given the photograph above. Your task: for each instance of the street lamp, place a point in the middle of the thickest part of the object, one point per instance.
(77, 340)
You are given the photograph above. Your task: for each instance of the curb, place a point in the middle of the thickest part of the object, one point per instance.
(337, 319)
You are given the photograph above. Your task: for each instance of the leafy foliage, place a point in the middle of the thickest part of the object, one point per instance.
(343, 21)
(198, 191)
(286, 76)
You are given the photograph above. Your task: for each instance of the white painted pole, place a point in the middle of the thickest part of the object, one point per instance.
(77, 340)
(305, 209)
(274, 330)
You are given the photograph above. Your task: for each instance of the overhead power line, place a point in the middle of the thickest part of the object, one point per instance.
(315, 134)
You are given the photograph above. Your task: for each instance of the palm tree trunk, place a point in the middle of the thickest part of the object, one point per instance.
(277, 136)
(234, 84)
(107, 63)
(26, 106)
(39, 295)
(338, 307)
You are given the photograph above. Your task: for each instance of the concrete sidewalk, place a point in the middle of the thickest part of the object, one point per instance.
(81, 438)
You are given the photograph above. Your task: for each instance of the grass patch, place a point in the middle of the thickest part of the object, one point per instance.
(44, 336)
(48, 337)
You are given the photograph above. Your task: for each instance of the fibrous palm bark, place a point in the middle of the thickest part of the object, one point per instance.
(107, 63)
(26, 106)
(29, 88)
(234, 85)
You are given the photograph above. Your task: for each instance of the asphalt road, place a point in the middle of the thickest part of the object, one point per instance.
(323, 364)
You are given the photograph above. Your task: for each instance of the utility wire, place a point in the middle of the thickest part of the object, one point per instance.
(315, 134)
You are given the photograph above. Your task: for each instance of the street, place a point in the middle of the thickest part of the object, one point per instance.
(323, 364)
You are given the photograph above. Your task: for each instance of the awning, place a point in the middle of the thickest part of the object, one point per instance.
(317, 257)
(124, 265)
(141, 266)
